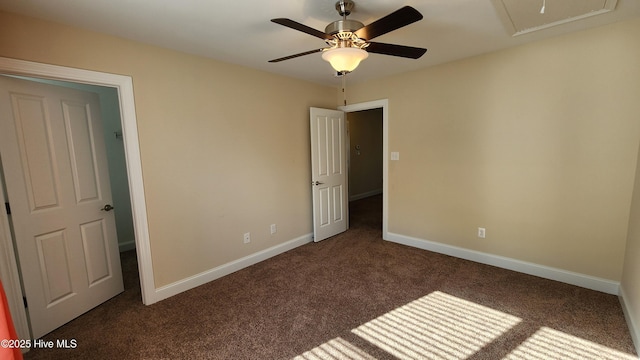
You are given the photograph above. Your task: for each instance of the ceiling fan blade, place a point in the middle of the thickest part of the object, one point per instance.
(393, 21)
(301, 27)
(395, 50)
(295, 55)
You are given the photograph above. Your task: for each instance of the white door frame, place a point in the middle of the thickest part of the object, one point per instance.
(124, 85)
(377, 104)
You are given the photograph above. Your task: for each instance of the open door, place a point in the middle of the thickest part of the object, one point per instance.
(328, 173)
(55, 165)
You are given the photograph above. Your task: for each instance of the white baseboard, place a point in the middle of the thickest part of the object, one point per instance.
(228, 268)
(582, 280)
(127, 245)
(365, 195)
(630, 316)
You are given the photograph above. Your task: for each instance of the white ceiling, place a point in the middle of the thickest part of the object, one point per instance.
(240, 31)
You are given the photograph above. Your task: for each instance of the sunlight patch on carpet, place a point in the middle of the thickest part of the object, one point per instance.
(335, 349)
(548, 343)
(443, 327)
(436, 326)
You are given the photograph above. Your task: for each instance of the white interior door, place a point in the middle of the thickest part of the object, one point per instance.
(54, 159)
(328, 173)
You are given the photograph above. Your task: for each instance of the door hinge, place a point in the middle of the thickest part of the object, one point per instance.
(8, 208)
(24, 300)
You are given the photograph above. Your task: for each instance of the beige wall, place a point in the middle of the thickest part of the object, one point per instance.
(225, 149)
(365, 165)
(538, 144)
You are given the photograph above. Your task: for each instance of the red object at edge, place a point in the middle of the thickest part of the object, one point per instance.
(7, 331)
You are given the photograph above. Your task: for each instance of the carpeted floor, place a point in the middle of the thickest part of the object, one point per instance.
(354, 296)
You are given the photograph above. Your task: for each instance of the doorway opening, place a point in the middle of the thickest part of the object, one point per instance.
(57, 161)
(365, 166)
(378, 113)
(124, 87)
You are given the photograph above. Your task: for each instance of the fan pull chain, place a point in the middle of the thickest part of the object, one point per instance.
(544, 4)
(344, 87)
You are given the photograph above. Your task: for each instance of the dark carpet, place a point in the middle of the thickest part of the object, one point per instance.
(354, 296)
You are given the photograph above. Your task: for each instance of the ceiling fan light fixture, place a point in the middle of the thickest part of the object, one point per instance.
(344, 59)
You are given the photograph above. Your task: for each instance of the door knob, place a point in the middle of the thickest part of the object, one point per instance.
(316, 183)
(107, 207)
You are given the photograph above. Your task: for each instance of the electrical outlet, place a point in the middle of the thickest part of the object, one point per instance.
(482, 232)
(274, 229)
(247, 238)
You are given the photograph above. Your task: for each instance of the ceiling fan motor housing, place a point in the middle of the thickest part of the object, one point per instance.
(343, 26)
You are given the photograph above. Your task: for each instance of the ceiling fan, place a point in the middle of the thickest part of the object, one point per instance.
(349, 41)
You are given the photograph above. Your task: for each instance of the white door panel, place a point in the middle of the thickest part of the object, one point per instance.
(81, 151)
(329, 173)
(55, 165)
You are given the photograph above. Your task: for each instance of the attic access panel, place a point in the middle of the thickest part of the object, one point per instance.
(523, 16)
